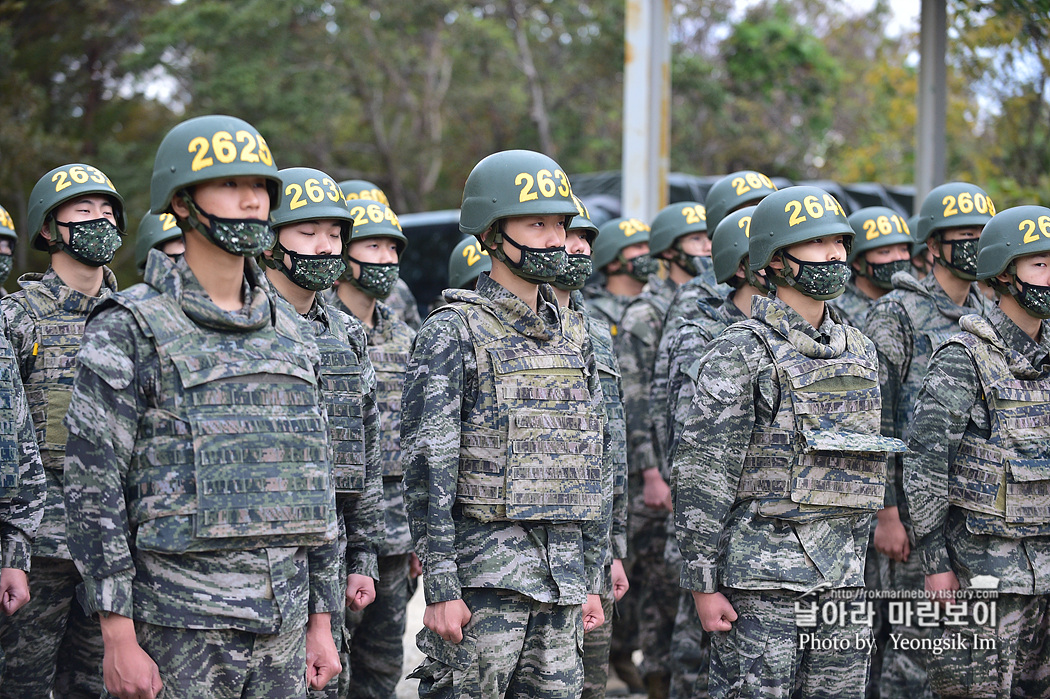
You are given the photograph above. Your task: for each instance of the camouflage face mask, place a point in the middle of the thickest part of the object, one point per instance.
(91, 242)
(822, 281)
(312, 272)
(1034, 299)
(881, 275)
(247, 237)
(537, 265)
(376, 280)
(574, 276)
(695, 264)
(642, 267)
(962, 258)
(6, 262)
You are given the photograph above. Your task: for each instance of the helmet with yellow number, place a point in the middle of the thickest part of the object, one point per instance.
(735, 190)
(64, 184)
(466, 263)
(154, 231)
(363, 189)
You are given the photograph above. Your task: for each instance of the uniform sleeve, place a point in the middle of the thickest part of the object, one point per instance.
(364, 514)
(639, 341)
(431, 408)
(103, 417)
(18, 326)
(942, 410)
(888, 327)
(710, 455)
(596, 533)
(617, 448)
(20, 514)
(659, 400)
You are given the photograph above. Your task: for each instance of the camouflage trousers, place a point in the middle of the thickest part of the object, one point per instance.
(880, 626)
(1008, 659)
(767, 655)
(50, 644)
(225, 663)
(654, 586)
(596, 653)
(513, 647)
(903, 672)
(690, 651)
(377, 633)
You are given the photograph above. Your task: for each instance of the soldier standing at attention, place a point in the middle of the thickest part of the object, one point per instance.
(881, 248)
(906, 325)
(377, 633)
(199, 499)
(578, 241)
(77, 216)
(780, 465)
(622, 257)
(8, 239)
(978, 468)
(309, 254)
(502, 433)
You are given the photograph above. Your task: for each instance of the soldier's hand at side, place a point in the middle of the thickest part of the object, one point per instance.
(127, 670)
(942, 585)
(322, 657)
(360, 591)
(656, 492)
(714, 610)
(14, 590)
(593, 614)
(891, 538)
(619, 580)
(447, 619)
(415, 567)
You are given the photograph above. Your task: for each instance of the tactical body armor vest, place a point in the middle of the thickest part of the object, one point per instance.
(48, 371)
(609, 378)
(390, 360)
(232, 451)
(541, 460)
(823, 456)
(1003, 482)
(10, 453)
(343, 391)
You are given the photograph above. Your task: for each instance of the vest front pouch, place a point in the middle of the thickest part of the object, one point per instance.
(9, 449)
(390, 368)
(341, 387)
(842, 469)
(50, 385)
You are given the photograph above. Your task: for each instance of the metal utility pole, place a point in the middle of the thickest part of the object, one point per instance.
(646, 108)
(930, 139)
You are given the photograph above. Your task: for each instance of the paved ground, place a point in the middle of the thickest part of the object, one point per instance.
(406, 688)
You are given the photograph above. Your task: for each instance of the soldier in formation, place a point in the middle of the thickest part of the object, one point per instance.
(8, 239)
(161, 232)
(77, 216)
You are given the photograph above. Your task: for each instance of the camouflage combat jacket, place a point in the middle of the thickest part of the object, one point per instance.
(450, 404)
(22, 482)
(853, 305)
(978, 472)
(608, 307)
(173, 399)
(742, 392)
(906, 325)
(45, 323)
(615, 422)
(348, 385)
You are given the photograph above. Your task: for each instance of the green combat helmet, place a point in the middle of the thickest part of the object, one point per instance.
(729, 247)
(517, 183)
(578, 267)
(207, 148)
(673, 222)
(466, 263)
(876, 227)
(7, 230)
(613, 236)
(153, 232)
(59, 186)
(1012, 234)
(363, 189)
(735, 190)
(953, 205)
(797, 215)
(375, 220)
(309, 195)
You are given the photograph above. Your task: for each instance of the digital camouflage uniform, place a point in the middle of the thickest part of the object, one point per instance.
(609, 307)
(690, 646)
(655, 594)
(22, 481)
(853, 305)
(349, 389)
(377, 632)
(597, 642)
(512, 548)
(171, 396)
(762, 437)
(403, 303)
(976, 480)
(906, 325)
(55, 645)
